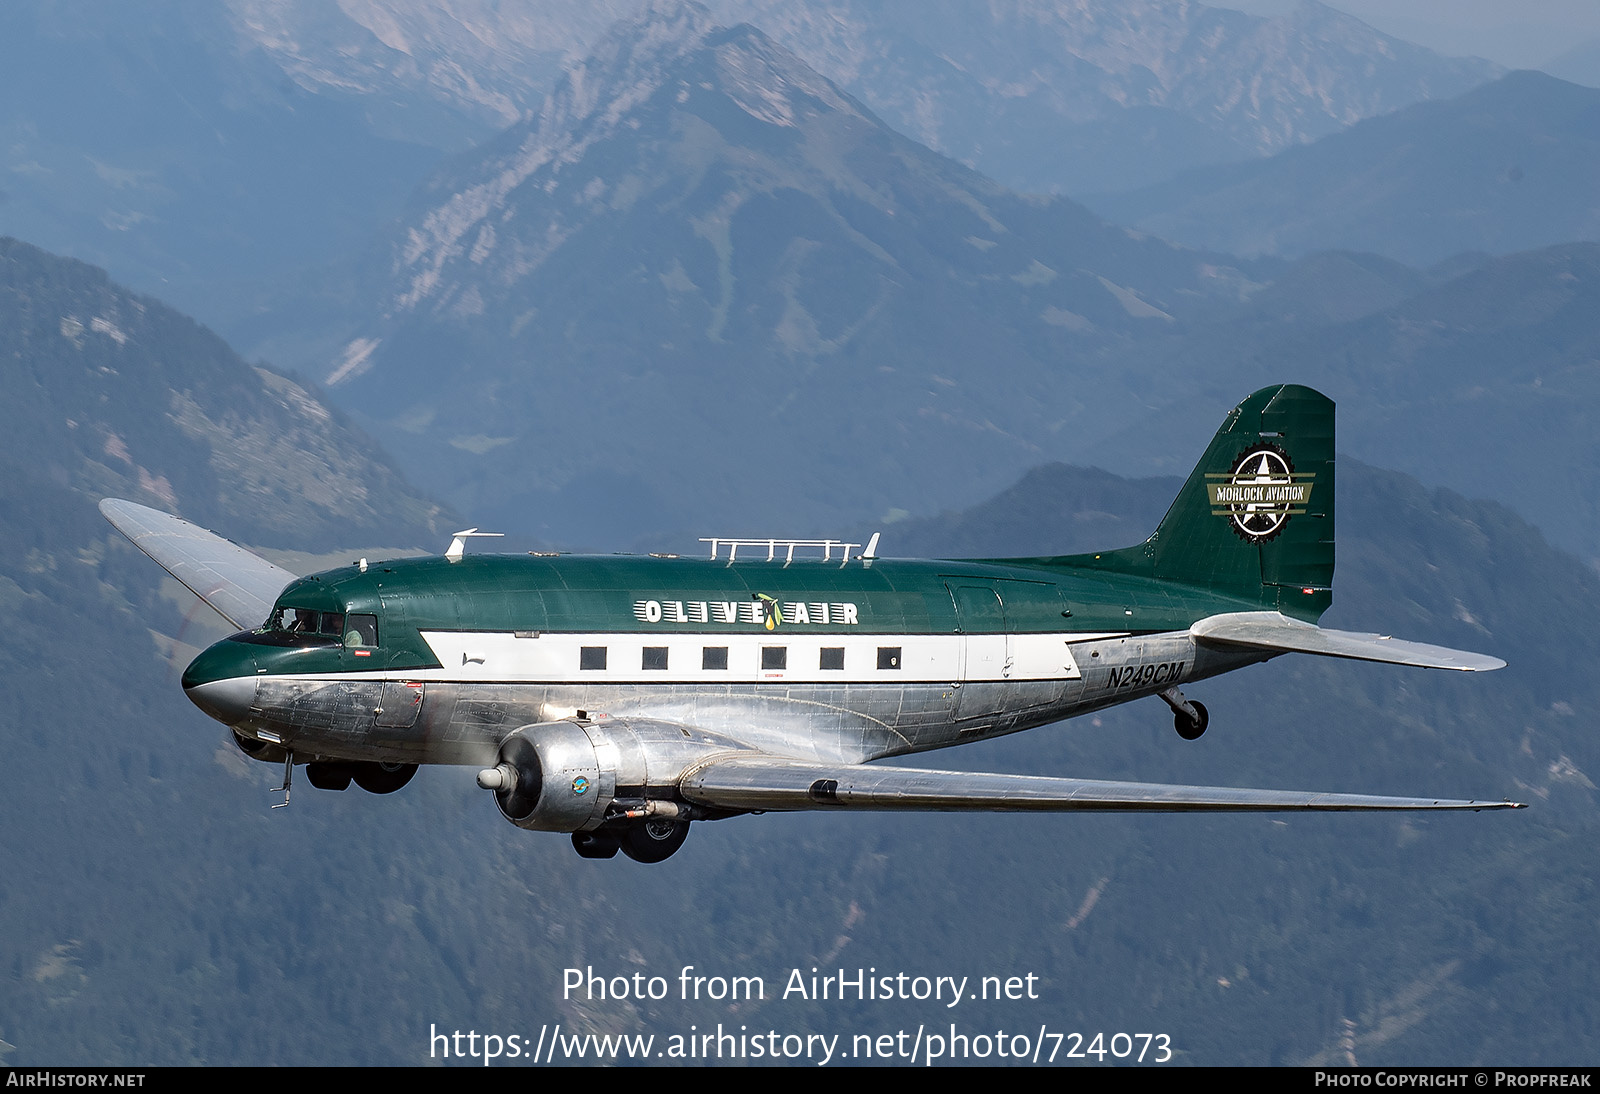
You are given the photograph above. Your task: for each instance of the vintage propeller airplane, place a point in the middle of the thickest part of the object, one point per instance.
(621, 698)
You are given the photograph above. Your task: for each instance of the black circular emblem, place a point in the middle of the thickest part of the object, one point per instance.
(1262, 476)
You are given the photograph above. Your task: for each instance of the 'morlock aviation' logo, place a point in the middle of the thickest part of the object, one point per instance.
(1260, 494)
(761, 610)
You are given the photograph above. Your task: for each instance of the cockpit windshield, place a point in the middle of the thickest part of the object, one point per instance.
(312, 626)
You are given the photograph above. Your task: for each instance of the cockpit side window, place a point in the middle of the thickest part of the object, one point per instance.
(360, 630)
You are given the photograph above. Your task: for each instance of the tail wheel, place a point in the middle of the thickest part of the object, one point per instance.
(654, 839)
(1190, 730)
(383, 778)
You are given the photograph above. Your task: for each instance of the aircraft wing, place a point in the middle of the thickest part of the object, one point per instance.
(1277, 632)
(776, 784)
(238, 585)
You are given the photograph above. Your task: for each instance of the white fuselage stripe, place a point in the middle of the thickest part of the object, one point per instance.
(677, 658)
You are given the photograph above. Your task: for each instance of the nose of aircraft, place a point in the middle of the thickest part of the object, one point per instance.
(222, 682)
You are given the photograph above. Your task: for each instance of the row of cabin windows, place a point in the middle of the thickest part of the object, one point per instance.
(716, 657)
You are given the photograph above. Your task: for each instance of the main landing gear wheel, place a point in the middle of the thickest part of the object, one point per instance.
(654, 839)
(329, 776)
(383, 778)
(1188, 728)
(596, 844)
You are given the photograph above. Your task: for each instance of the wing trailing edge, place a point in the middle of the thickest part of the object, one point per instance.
(772, 783)
(1281, 634)
(239, 586)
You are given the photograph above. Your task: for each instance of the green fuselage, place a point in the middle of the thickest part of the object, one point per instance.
(853, 660)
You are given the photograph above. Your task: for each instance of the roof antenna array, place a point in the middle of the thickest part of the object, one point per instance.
(784, 549)
(458, 545)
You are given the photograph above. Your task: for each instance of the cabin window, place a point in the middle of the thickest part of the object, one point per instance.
(714, 657)
(591, 657)
(655, 657)
(832, 657)
(888, 657)
(360, 630)
(774, 657)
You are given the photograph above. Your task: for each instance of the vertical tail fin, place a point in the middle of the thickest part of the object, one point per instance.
(1255, 518)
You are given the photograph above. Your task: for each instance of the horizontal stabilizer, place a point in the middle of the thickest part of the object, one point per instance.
(1277, 632)
(240, 586)
(776, 784)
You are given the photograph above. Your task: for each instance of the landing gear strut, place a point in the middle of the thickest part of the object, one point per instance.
(1189, 718)
(288, 780)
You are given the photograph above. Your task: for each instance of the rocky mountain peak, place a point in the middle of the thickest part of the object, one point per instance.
(1125, 89)
(477, 221)
(627, 64)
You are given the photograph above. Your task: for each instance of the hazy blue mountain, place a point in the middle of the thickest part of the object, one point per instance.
(1053, 509)
(756, 310)
(112, 394)
(448, 73)
(1049, 95)
(1484, 381)
(1074, 96)
(1506, 167)
(155, 911)
(1487, 384)
(704, 280)
(1412, 562)
(152, 139)
(1580, 64)
(211, 153)
(1337, 286)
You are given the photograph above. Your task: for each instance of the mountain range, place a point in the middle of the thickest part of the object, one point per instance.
(1509, 166)
(801, 275)
(699, 228)
(1078, 96)
(112, 393)
(212, 153)
(1048, 95)
(709, 282)
(1424, 368)
(156, 911)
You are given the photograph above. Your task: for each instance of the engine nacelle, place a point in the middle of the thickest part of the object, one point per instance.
(575, 776)
(555, 777)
